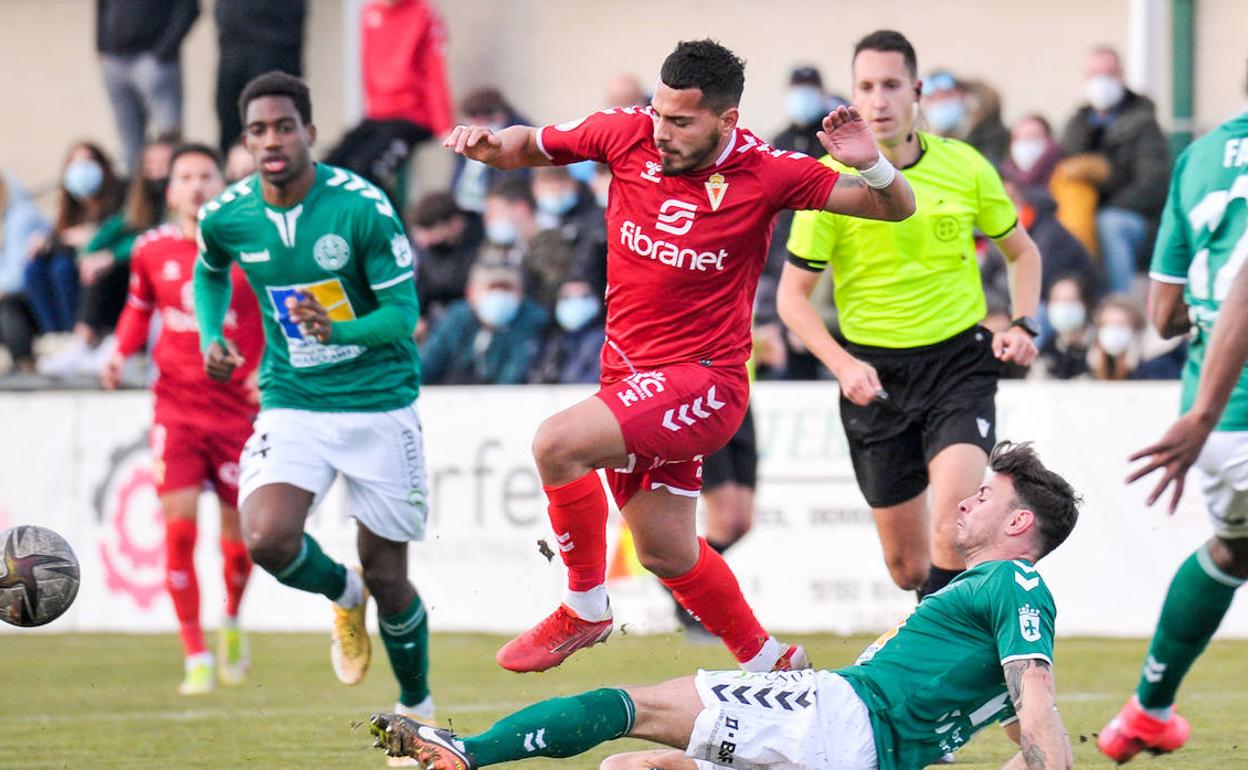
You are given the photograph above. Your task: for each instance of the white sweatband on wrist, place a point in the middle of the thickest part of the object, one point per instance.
(881, 174)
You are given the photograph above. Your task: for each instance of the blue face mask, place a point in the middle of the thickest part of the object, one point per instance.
(582, 172)
(805, 105)
(83, 178)
(945, 115)
(497, 307)
(573, 313)
(558, 205)
(501, 231)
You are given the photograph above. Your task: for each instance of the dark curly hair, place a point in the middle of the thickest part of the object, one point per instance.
(1039, 490)
(709, 67)
(277, 83)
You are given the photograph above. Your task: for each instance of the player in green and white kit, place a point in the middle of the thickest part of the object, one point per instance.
(977, 652)
(332, 269)
(1201, 248)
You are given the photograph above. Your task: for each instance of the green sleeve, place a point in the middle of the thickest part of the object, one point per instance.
(996, 215)
(212, 290)
(1172, 256)
(113, 236)
(812, 239)
(394, 319)
(1021, 611)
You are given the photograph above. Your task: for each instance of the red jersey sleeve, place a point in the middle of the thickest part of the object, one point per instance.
(602, 136)
(136, 317)
(798, 181)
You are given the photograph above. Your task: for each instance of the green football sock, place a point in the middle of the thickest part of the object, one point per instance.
(1199, 597)
(559, 727)
(314, 572)
(406, 636)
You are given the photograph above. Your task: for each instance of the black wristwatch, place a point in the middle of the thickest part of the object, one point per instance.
(1028, 324)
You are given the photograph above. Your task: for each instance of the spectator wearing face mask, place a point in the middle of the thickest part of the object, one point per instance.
(1129, 164)
(510, 221)
(104, 265)
(1061, 254)
(573, 349)
(966, 110)
(489, 338)
(804, 98)
(447, 240)
(567, 206)
(1064, 353)
(1033, 155)
(90, 193)
(472, 180)
(805, 103)
(1117, 350)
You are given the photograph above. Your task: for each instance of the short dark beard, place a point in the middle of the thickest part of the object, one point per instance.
(696, 160)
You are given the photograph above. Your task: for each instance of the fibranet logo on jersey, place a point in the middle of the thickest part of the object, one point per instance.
(667, 252)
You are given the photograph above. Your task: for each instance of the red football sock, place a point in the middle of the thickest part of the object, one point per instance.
(711, 592)
(578, 513)
(237, 570)
(181, 581)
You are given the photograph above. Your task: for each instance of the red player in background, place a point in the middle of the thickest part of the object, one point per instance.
(200, 426)
(692, 202)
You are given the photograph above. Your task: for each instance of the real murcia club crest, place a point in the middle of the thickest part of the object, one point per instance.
(401, 248)
(715, 189)
(331, 251)
(1029, 622)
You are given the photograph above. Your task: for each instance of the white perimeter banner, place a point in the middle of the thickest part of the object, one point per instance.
(79, 464)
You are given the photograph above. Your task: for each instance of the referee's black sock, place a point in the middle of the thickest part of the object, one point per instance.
(937, 578)
(719, 548)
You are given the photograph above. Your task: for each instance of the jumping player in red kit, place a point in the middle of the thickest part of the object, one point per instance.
(689, 216)
(200, 426)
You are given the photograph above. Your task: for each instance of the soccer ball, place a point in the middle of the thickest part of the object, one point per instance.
(38, 576)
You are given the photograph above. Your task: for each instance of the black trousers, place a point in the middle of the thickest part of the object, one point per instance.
(17, 327)
(101, 303)
(376, 148)
(235, 67)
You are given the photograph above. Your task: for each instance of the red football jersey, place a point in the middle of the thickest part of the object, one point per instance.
(684, 252)
(161, 268)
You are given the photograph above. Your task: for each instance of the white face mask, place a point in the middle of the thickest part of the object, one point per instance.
(805, 105)
(1103, 91)
(1115, 339)
(1027, 152)
(1067, 316)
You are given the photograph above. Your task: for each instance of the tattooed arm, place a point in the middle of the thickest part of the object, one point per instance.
(1042, 737)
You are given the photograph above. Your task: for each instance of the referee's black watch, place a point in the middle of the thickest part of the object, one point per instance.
(1028, 324)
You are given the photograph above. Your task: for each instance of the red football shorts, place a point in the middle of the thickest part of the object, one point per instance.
(671, 417)
(188, 455)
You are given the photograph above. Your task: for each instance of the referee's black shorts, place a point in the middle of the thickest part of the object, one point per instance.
(736, 462)
(939, 395)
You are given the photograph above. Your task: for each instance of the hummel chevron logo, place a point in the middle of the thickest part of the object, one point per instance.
(565, 542)
(743, 693)
(683, 413)
(1026, 583)
(535, 741)
(1154, 670)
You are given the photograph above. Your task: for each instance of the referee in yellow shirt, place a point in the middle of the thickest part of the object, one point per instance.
(918, 374)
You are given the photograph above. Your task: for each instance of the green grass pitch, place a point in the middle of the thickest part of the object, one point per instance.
(108, 701)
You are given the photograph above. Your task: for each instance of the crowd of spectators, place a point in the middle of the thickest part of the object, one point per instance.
(511, 265)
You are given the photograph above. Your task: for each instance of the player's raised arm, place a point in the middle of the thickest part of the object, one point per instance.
(511, 147)
(1042, 737)
(880, 192)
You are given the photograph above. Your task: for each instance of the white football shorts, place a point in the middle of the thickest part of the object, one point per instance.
(790, 720)
(1223, 466)
(379, 454)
